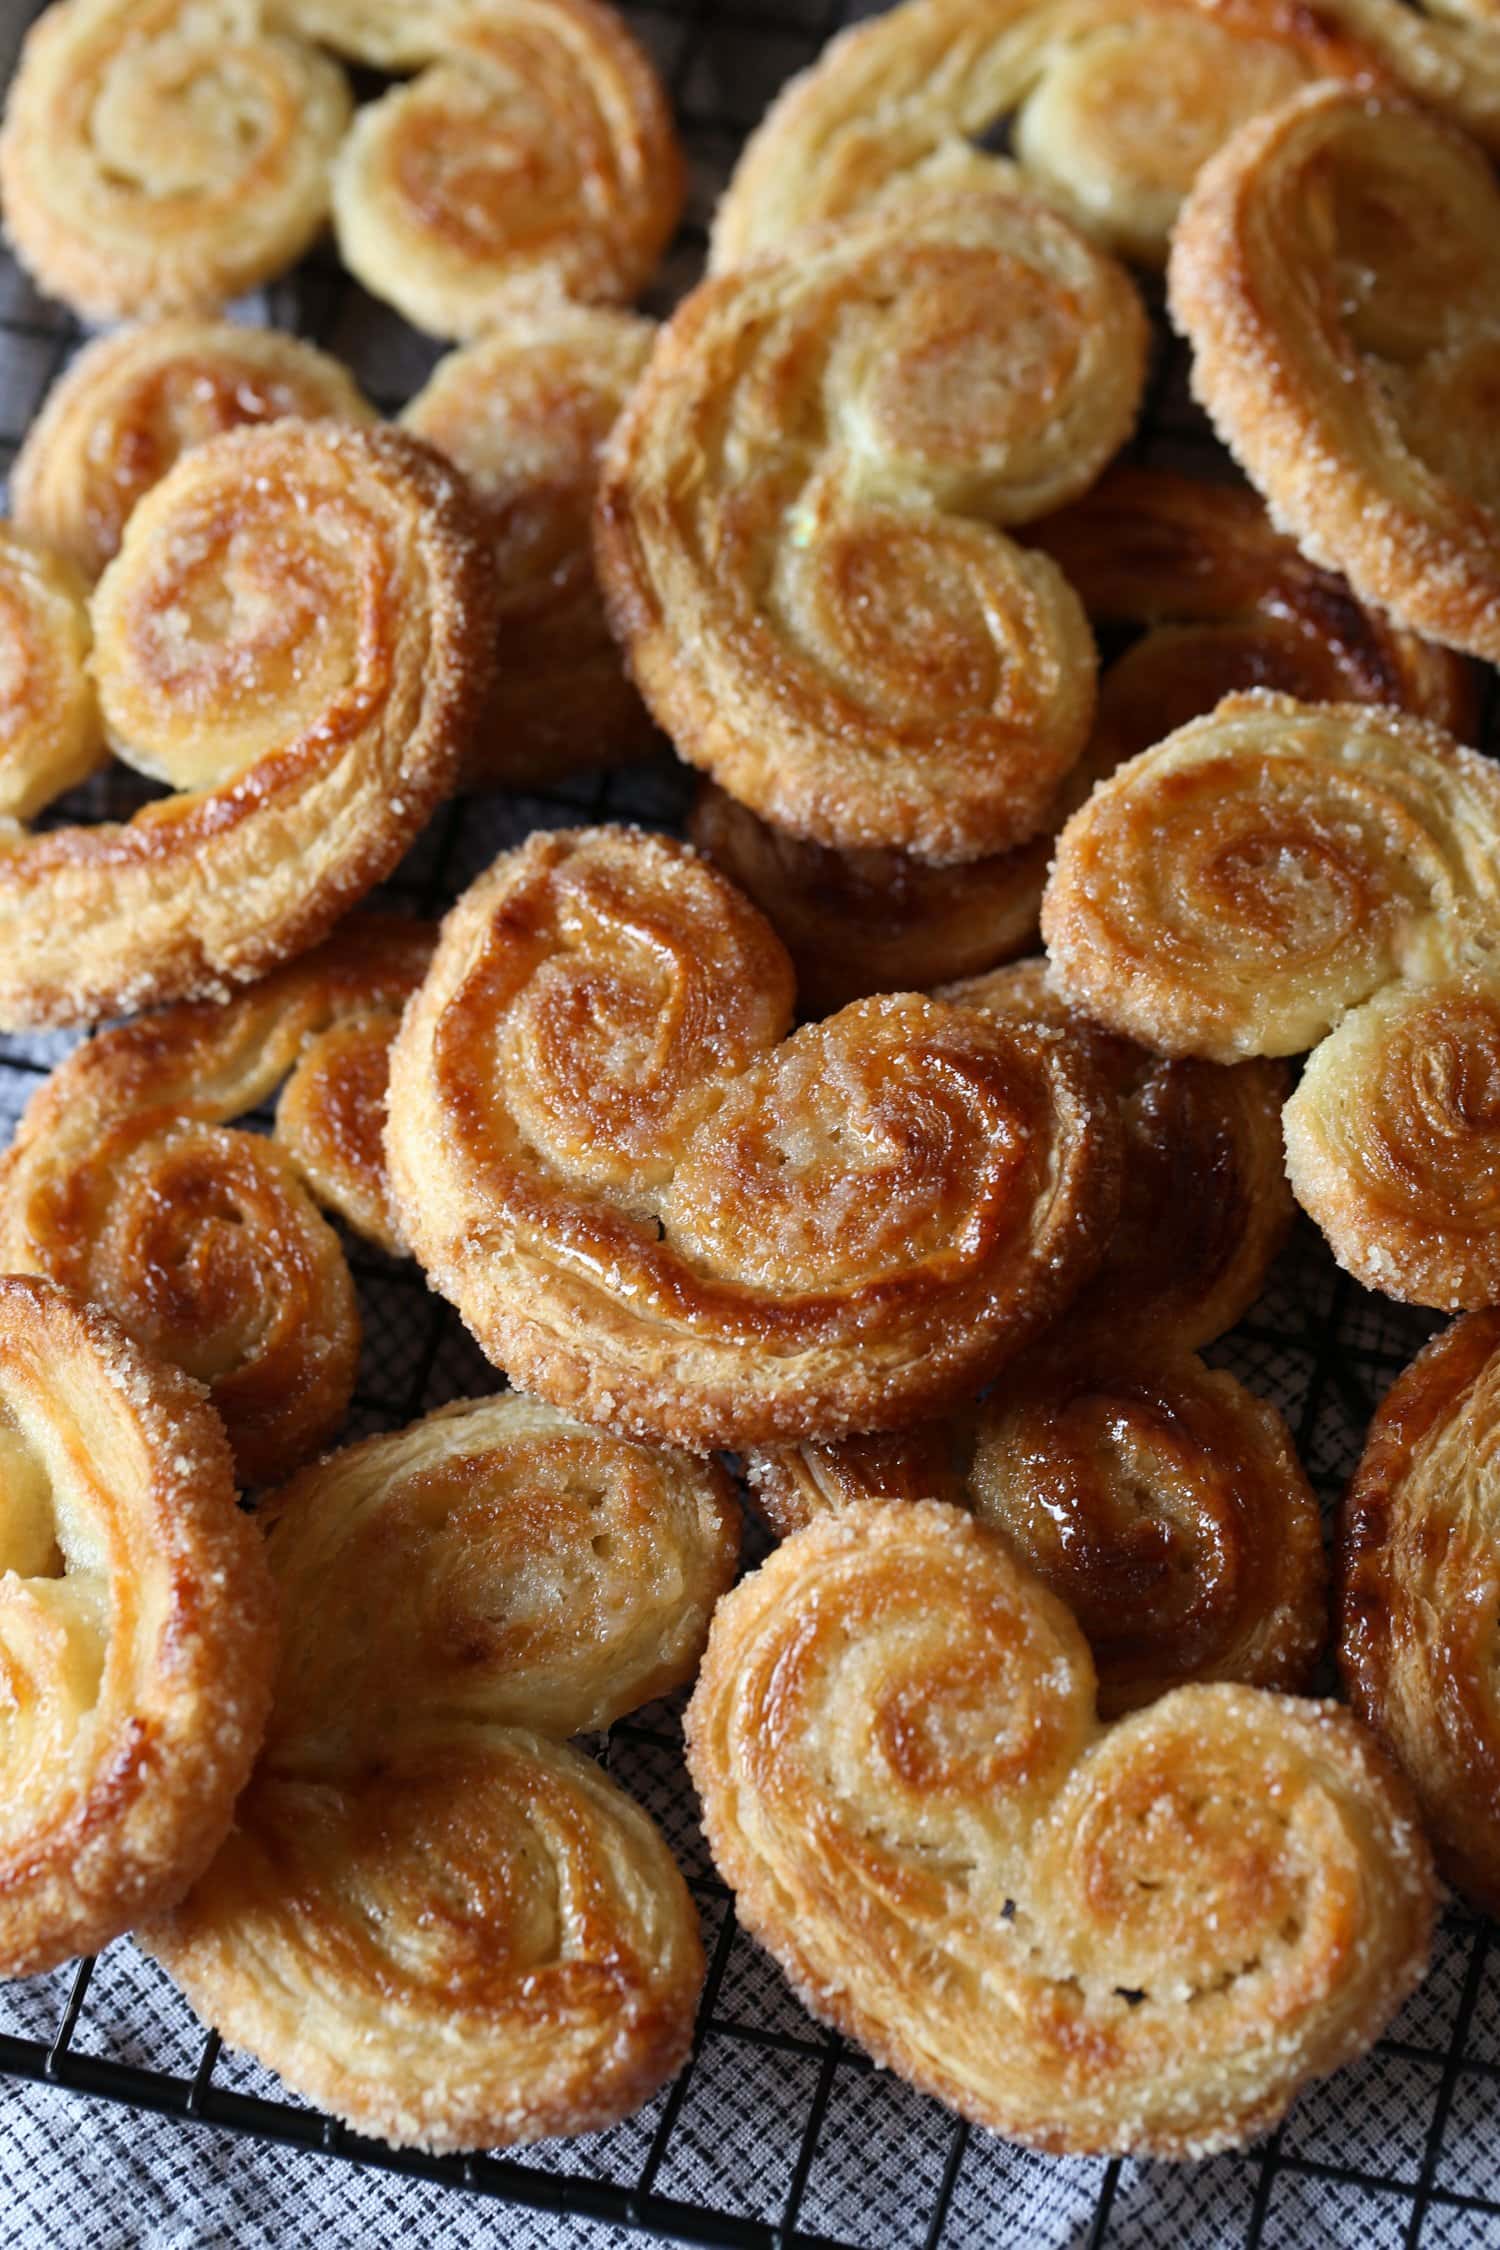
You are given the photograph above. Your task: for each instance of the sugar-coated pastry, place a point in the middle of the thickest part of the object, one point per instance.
(127, 1183)
(432, 1917)
(1163, 1503)
(50, 731)
(1143, 1938)
(164, 155)
(1393, 1142)
(1416, 1606)
(130, 403)
(534, 157)
(381, 34)
(1337, 270)
(297, 634)
(1236, 889)
(137, 1631)
(654, 1208)
(798, 524)
(524, 413)
(1204, 1204)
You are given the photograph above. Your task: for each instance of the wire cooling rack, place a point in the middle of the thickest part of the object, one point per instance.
(779, 2136)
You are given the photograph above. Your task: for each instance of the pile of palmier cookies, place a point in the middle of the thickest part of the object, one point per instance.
(787, 1144)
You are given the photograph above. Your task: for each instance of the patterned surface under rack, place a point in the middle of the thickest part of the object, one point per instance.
(777, 2133)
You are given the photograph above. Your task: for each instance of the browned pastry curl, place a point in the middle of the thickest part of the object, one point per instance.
(126, 1183)
(137, 1631)
(798, 531)
(1418, 1593)
(1162, 1503)
(1143, 1938)
(432, 1916)
(131, 403)
(1204, 1203)
(1337, 270)
(653, 1207)
(50, 731)
(298, 635)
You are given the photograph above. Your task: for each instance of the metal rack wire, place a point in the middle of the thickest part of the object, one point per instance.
(779, 2136)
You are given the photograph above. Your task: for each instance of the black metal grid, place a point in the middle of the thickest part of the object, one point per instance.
(779, 2136)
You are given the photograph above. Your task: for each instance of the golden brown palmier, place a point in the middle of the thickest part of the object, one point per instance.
(137, 1631)
(1141, 1938)
(524, 413)
(131, 403)
(797, 529)
(163, 155)
(1337, 270)
(1236, 889)
(1204, 1204)
(654, 1208)
(535, 157)
(50, 731)
(433, 1917)
(1164, 1504)
(1418, 1593)
(1392, 1141)
(297, 633)
(126, 1183)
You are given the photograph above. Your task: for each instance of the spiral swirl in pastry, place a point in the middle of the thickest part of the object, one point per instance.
(1204, 1204)
(297, 634)
(524, 414)
(1164, 1504)
(125, 1183)
(163, 155)
(50, 732)
(797, 536)
(534, 157)
(131, 403)
(1418, 1594)
(1337, 270)
(137, 1633)
(1141, 1938)
(432, 1917)
(655, 1209)
(1236, 889)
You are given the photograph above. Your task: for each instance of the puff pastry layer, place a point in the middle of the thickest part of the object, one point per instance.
(1141, 1938)
(534, 157)
(297, 633)
(654, 1208)
(1162, 1503)
(524, 413)
(50, 731)
(1237, 889)
(137, 1634)
(126, 1182)
(1337, 269)
(163, 155)
(1417, 1594)
(432, 1917)
(129, 404)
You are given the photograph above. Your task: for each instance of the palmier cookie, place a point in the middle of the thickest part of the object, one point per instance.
(164, 155)
(130, 403)
(297, 634)
(126, 1183)
(137, 1634)
(797, 530)
(1236, 889)
(1162, 1503)
(524, 413)
(655, 1209)
(535, 157)
(1204, 1204)
(1143, 1938)
(1337, 270)
(517, 1953)
(1417, 1594)
(50, 731)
